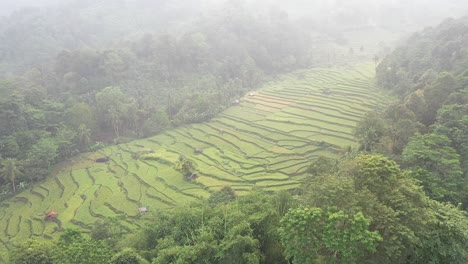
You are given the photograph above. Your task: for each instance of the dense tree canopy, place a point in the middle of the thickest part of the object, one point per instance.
(400, 198)
(61, 99)
(426, 129)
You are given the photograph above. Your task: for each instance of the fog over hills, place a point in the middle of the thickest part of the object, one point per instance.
(233, 131)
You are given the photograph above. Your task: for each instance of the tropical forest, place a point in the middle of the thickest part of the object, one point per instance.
(233, 131)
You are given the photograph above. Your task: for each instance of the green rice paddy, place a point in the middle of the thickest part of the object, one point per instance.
(267, 141)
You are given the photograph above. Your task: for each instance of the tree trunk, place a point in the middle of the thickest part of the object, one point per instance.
(14, 187)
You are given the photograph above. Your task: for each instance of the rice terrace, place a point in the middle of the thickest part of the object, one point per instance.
(265, 140)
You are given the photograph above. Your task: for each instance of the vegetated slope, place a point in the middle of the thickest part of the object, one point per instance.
(32, 36)
(427, 128)
(265, 141)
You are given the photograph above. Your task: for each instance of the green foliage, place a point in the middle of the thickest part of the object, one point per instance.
(375, 173)
(452, 121)
(159, 121)
(9, 147)
(81, 114)
(300, 234)
(185, 166)
(283, 201)
(375, 186)
(225, 195)
(36, 252)
(311, 235)
(323, 165)
(438, 49)
(369, 131)
(241, 231)
(84, 136)
(56, 81)
(67, 142)
(69, 236)
(437, 93)
(349, 237)
(429, 75)
(72, 248)
(363, 209)
(117, 110)
(446, 240)
(437, 165)
(109, 231)
(128, 256)
(239, 246)
(242, 149)
(10, 170)
(200, 235)
(77, 249)
(44, 152)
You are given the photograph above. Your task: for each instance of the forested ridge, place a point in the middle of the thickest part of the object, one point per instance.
(425, 130)
(85, 97)
(401, 197)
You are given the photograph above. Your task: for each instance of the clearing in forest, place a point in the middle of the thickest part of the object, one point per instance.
(266, 141)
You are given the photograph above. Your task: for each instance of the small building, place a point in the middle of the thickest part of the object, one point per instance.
(192, 176)
(143, 209)
(327, 92)
(198, 151)
(237, 101)
(51, 215)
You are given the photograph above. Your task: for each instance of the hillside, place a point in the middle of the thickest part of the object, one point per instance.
(233, 131)
(426, 128)
(266, 141)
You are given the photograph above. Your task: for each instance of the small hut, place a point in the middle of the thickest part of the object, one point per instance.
(143, 210)
(327, 92)
(198, 151)
(51, 215)
(192, 176)
(236, 102)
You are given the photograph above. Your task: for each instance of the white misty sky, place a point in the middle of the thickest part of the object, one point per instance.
(8, 6)
(431, 8)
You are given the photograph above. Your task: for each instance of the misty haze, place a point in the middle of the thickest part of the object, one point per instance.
(233, 131)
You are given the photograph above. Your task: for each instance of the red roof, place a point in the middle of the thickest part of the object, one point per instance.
(52, 213)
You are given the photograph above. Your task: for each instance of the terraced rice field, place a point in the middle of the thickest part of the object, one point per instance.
(267, 141)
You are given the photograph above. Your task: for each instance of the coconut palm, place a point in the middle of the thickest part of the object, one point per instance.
(10, 170)
(84, 135)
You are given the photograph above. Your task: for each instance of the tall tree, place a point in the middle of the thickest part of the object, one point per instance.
(10, 170)
(446, 240)
(310, 235)
(81, 114)
(80, 250)
(128, 256)
(44, 152)
(375, 186)
(369, 131)
(36, 252)
(84, 135)
(116, 109)
(437, 165)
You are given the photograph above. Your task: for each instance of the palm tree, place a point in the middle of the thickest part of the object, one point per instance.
(84, 134)
(10, 170)
(376, 60)
(116, 122)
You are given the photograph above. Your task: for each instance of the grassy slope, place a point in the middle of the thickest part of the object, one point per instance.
(267, 141)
